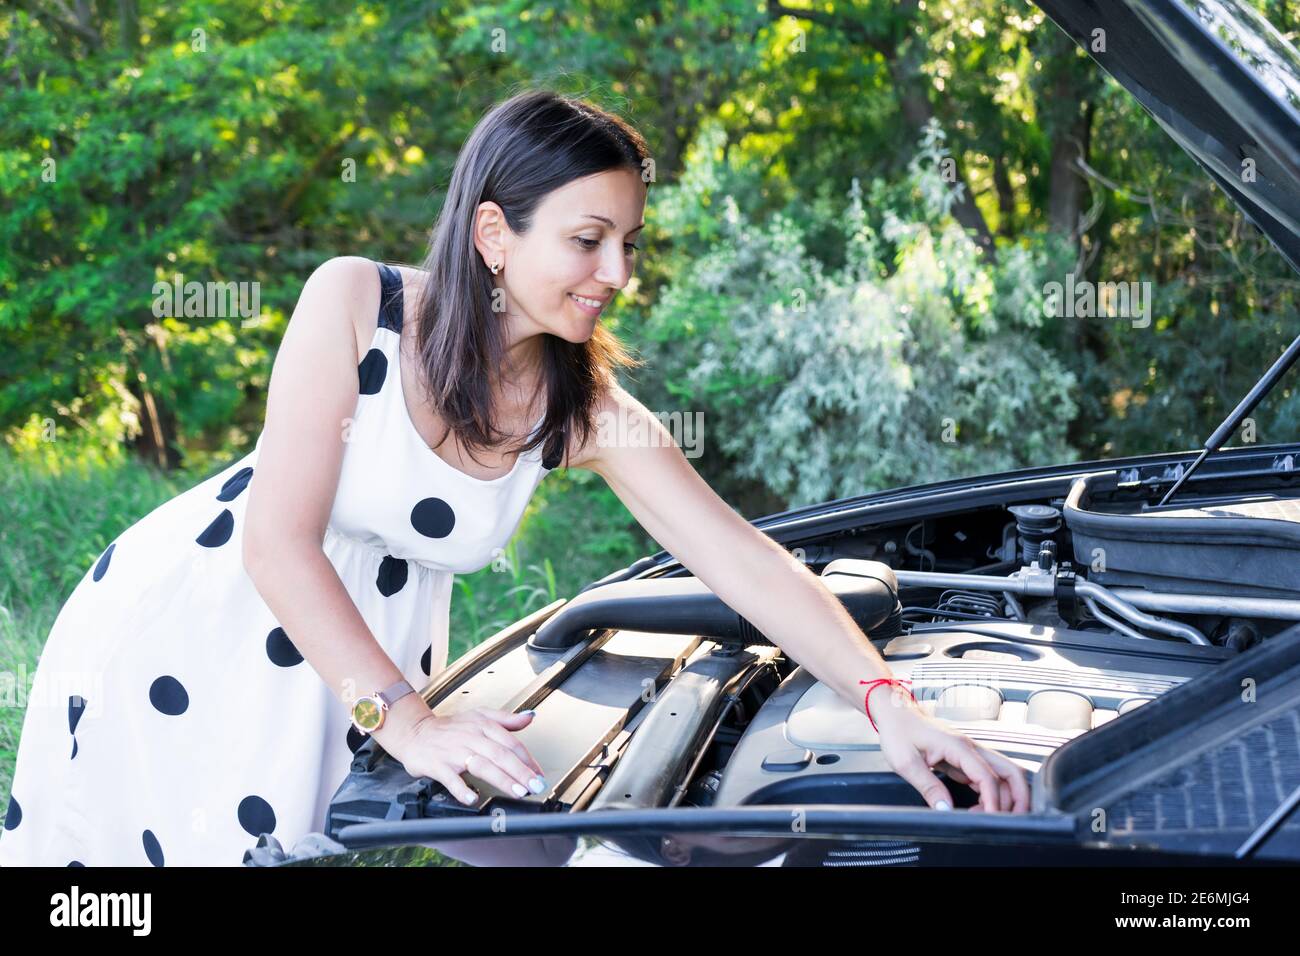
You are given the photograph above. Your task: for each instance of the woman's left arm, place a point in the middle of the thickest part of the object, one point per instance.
(758, 578)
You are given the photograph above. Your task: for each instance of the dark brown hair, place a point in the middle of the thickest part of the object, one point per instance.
(524, 148)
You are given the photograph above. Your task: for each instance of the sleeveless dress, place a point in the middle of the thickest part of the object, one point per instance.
(171, 720)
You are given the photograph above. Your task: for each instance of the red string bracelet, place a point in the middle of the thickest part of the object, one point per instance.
(866, 700)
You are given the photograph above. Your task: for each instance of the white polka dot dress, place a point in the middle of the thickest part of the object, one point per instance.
(171, 720)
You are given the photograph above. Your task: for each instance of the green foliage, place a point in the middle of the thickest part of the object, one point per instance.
(1225, 303)
(912, 360)
(211, 140)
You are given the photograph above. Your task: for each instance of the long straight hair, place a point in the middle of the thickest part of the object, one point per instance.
(524, 148)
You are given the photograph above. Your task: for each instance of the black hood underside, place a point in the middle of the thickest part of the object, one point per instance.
(1221, 81)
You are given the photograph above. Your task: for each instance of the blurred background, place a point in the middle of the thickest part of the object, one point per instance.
(854, 213)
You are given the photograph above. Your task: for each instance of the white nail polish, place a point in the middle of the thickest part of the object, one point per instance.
(943, 805)
(519, 790)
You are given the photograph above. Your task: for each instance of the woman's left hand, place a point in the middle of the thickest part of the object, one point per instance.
(914, 742)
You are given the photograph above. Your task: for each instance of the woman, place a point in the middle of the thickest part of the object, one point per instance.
(204, 682)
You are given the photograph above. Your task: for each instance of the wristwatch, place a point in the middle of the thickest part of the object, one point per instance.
(369, 712)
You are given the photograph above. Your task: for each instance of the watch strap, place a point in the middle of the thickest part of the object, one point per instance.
(392, 694)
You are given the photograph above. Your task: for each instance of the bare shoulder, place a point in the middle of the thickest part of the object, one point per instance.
(353, 283)
(617, 411)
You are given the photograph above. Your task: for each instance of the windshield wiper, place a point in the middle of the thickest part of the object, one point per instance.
(1244, 408)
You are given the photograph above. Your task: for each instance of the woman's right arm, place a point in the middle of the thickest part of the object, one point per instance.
(311, 399)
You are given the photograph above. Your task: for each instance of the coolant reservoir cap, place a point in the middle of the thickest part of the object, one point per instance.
(1034, 511)
(1042, 518)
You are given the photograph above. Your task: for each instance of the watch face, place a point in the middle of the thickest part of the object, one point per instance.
(366, 713)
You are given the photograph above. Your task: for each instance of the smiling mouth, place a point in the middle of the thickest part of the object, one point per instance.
(590, 307)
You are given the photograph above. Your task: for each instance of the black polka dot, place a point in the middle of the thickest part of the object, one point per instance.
(356, 738)
(392, 575)
(76, 863)
(235, 484)
(102, 564)
(152, 848)
(14, 815)
(281, 650)
(76, 707)
(256, 815)
(168, 696)
(372, 371)
(433, 518)
(426, 660)
(218, 533)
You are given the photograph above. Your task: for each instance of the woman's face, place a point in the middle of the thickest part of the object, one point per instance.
(580, 244)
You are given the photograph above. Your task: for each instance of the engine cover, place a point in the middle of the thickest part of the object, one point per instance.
(1020, 689)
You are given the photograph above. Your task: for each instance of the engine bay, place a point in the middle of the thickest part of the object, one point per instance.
(1091, 605)
(1026, 624)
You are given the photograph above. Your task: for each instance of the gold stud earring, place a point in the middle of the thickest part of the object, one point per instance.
(496, 266)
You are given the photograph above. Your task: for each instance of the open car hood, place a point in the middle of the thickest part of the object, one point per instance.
(1221, 81)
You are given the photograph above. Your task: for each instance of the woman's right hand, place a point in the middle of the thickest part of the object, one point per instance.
(478, 741)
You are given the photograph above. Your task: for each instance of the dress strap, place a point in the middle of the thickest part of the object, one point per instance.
(390, 298)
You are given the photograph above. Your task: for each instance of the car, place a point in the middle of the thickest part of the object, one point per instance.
(1126, 630)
